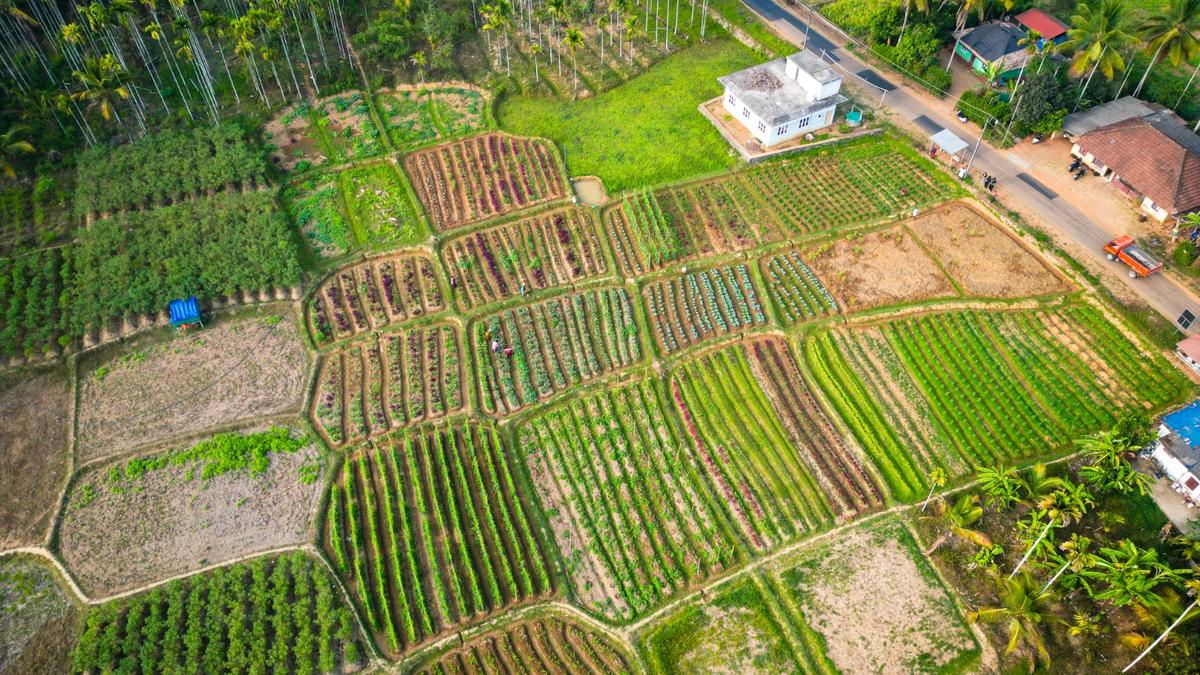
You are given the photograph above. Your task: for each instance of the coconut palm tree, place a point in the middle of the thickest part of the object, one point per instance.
(965, 7)
(1172, 32)
(1000, 484)
(1163, 614)
(14, 143)
(573, 39)
(956, 520)
(1096, 38)
(1076, 556)
(100, 78)
(1023, 609)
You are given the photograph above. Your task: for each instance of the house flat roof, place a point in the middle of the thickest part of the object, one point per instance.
(773, 96)
(1046, 25)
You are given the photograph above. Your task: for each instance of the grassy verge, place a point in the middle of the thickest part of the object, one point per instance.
(744, 18)
(646, 131)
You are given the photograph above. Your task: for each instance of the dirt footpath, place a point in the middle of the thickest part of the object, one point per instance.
(151, 390)
(33, 453)
(129, 533)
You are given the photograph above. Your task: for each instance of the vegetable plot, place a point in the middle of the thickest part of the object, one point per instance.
(746, 451)
(552, 249)
(483, 176)
(797, 292)
(849, 488)
(533, 352)
(32, 300)
(420, 115)
(634, 519)
(702, 305)
(369, 387)
(998, 387)
(429, 533)
(374, 294)
(544, 645)
(267, 615)
(379, 207)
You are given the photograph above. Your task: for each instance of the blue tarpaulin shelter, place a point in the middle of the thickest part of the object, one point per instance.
(185, 312)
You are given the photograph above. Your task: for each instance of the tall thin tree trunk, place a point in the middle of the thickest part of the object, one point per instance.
(1161, 637)
(1153, 60)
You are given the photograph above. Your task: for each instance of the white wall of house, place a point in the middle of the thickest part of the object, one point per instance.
(1157, 212)
(796, 127)
(779, 133)
(1147, 205)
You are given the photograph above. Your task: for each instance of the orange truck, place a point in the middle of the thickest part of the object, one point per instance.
(1141, 264)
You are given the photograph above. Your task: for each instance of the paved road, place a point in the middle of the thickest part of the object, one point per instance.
(1018, 185)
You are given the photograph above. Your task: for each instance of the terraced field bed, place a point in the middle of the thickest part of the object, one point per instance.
(634, 518)
(374, 294)
(530, 353)
(699, 306)
(746, 452)
(371, 386)
(484, 176)
(550, 644)
(856, 184)
(797, 292)
(552, 249)
(429, 532)
(269, 614)
(743, 628)
(416, 115)
(1001, 386)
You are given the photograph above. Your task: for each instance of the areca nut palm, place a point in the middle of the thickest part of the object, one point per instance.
(1156, 614)
(100, 78)
(13, 142)
(957, 519)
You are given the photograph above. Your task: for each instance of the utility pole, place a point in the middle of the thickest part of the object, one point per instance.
(977, 144)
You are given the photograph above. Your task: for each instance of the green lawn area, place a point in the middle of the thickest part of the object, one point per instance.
(646, 131)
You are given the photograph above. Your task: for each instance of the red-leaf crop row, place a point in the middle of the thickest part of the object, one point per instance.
(373, 294)
(849, 488)
(545, 645)
(702, 305)
(390, 381)
(433, 535)
(536, 351)
(636, 519)
(551, 249)
(482, 176)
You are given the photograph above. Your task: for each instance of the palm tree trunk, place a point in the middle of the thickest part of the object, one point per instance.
(928, 497)
(904, 24)
(1187, 86)
(1089, 78)
(1153, 60)
(1160, 637)
(1032, 548)
(703, 19)
(1055, 577)
(575, 74)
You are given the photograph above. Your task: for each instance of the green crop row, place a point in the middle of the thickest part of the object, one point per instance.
(436, 534)
(269, 615)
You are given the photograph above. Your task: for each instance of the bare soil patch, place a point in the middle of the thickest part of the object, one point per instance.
(982, 257)
(33, 453)
(879, 605)
(878, 268)
(38, 617)
(118, 535)
(145, 392)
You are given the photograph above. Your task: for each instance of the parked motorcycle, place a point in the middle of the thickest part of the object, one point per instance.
(1080, 173)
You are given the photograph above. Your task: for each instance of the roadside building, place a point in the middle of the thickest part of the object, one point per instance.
(1046, 25)
(993, 44)
(781, 99)
(1177, 451)
(1079, 124)
(1153, 159)
(1188, 351)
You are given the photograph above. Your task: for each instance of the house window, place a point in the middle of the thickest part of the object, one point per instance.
(781, 130)
(762, 126)
(745, 112)
(732, 100)
(804, 122)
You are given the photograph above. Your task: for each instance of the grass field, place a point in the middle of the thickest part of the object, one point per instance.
(645, 131)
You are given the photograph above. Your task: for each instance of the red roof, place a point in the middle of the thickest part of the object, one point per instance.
(1046, 25)
(1190, 347)
(1158, 156)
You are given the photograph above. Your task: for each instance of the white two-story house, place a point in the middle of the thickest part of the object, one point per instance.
(781, 99)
